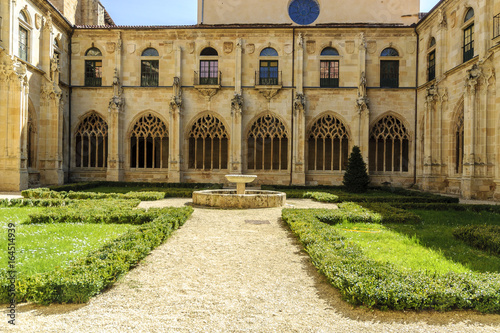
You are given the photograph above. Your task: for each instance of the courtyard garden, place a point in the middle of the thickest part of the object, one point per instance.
(386, 248)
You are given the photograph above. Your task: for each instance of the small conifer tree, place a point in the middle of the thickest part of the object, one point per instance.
(356, 178)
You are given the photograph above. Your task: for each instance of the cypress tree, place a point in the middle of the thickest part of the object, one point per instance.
(356, 178)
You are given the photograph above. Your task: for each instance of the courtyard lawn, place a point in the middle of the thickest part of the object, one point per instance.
(40, 248)
(435, 233)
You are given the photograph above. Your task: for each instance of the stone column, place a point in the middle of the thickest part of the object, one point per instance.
(470, 100)
(299, 109)
(174, 123)
(14, 114)
(362, 139)
(236, 154)
(116, 109)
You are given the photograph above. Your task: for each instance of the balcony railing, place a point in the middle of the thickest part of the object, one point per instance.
(268, 78)
(93, 81)
(329, 82)
(496, 25)
(149, 79)
(207, 79)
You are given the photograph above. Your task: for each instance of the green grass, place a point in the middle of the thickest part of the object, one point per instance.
(384, 245)
(436, 234)
(41, 248)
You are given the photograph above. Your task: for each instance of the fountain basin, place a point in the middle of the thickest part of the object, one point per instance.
(230, 199)
(241, 181)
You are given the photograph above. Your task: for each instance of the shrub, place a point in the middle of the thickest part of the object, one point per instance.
(348, 211)
(356, 178)
(321, 196)
(483, 237)
(34, 202)
(392, 214)
(88, 276)
(364, 281)
(88, 185)
(447, 206)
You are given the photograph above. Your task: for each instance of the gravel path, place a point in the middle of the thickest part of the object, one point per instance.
(232, 271)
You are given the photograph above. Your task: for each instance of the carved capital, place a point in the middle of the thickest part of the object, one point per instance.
(175, 104)
(207, 92)
(269, 92)
(362, 103)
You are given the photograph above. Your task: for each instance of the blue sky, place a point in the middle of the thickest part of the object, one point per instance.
(171, 12)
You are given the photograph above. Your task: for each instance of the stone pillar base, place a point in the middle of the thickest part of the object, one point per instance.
(496, 193)
(299, 178)
(52, 177)
(13, 180)
(115, 175)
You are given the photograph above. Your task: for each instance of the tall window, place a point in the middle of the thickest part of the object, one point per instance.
(268, 144)
(328, 145)
(93, 68)
(268, 67)
(150, 68)
(431, 66)
(209, 67)
(208, 144)
(23, 36)
(469, 36)
(459, 144)
(329, 68)
(149, 143)
(389, 68)
(389, 146)
(92, 143)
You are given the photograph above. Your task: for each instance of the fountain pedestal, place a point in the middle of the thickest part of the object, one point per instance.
(241, 181)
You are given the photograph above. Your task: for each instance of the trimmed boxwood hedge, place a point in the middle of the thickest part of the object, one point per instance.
(391, 214)
(447, 206)
(90, 275)
(348, 211)
(89, 185)
(364, 281)
(484, 237)
(45, 193)
(34, 202)
(322, 197)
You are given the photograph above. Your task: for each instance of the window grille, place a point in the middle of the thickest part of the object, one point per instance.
(149, 73)
(149, 143)
(208, 144)
(268, 144)
(329, 73)
(92, 143)
(389, 73)
(328, 145)
(268, 73)
(209, 73)
(431, 66)
(23, 44)
(389, 146)
(93, 73)
(468, 43)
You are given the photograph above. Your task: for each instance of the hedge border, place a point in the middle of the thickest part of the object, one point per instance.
(90, 275)
(89, 185)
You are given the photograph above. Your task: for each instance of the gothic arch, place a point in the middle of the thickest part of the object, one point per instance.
(208, 142)
(91, 141)
(327, 143)
(149, 146)
(271, 45)
(390, 46)
(142, 114)
(389, 144)
(264, 113)
(333, 114)
(457, 137)
(267, 139)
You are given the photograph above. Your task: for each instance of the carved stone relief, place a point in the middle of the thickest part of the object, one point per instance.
(250, 48)
(311, 46)
(228, 47)
(131, 48)
(349, 46)
(372, 46)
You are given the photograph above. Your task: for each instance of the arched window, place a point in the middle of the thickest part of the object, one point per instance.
(328, 145)
(469, 36)
(389, 146)
(150, 68)
(209, 67)
(459, 144)
(93, 68)
(24, 36)
(32, 139)
(389, 69)
(149, 143)
(431, 60)
(268, 144)
(208, 144)
(92, 143)
(268, 67)
(329, 68)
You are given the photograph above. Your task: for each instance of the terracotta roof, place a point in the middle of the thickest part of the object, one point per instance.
(247, 26)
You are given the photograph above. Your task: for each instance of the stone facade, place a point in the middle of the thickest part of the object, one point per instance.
(193, 103)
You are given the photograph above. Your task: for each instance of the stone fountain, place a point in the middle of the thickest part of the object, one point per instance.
(240, 198)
